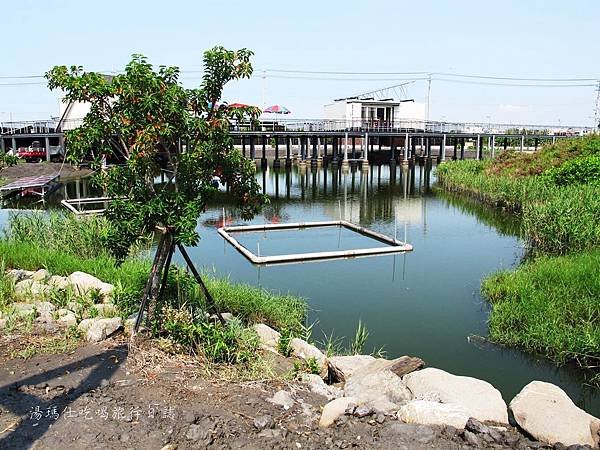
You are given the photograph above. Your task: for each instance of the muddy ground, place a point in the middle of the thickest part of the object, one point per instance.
(101, 396)
(24, 169)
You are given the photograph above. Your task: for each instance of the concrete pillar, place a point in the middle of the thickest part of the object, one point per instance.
(554, 139)
(14, 145)
(2, 145)
(443, 148)
(406, 149)
(493, 138)
(345, 165)
(276, 161)
(243, 146)
(47, 148)
(365, 161)
(252, 148)
(288, 151)
(522, 141)
(477, 147)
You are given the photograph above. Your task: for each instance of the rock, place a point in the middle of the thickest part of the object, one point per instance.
(335, 409)
(378, 387)
(23, 309)
(19, 275)
(84, 283)
(100, 329)
(44, 307)
(303, 350)
(476, 426)
(268, 337)
(85, 325)
(342, 367)
(318, 386)
(226, 316)
(547, 413)
(30, 287)
(41, 275)
(58, 282)
(45, 317)
(106, 310)
(2, 323)
(264, 421)
(471, 439)
(282, 398)
(362, 411)
(67, 320)
(428, 412)
(63, 312)
(476, 398)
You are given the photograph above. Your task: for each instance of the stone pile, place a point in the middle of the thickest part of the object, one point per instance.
(37, 286)
(402, 390)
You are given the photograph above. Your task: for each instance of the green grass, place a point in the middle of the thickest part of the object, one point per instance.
(250, 303)
(550, 305)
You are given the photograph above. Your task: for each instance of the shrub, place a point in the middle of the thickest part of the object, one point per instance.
(584, 170)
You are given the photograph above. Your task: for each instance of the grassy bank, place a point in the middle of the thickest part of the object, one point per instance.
(550, 303)
(63, 244)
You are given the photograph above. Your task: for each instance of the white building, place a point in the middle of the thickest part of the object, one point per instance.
(361, 113)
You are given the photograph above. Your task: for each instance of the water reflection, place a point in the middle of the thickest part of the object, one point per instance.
(423, 303)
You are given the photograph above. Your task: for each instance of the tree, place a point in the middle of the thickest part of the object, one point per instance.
(145, 118)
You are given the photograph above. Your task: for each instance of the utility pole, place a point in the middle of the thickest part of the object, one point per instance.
(264, 88)
(428, 112)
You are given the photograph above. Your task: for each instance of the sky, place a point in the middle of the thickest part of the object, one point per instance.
(522, 39)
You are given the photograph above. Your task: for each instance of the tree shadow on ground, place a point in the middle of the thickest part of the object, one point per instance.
(32, 396)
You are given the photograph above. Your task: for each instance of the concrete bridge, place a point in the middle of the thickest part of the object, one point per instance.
(342, 142)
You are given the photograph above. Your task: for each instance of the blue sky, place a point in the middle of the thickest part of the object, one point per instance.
(526, 39)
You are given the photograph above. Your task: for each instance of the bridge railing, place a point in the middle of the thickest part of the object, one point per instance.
(333, 125)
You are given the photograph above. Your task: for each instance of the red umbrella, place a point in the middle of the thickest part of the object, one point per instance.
(238, 105)
(277, 109)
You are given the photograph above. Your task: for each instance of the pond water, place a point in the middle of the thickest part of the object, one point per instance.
(424, 303)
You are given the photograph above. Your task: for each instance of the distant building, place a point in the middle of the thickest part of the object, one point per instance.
(71, 114)
(357, 112)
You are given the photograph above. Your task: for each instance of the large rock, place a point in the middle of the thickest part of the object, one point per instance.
(84, 283)
(335, 409)
(268, 337)
(342, 367)
(85, 325)
(303, 350)
(41, 275)
(44, 307)
(433, 413)
(19, 275)
(476, 398)
(381, 390)
(547, 413)
(30, 287)
(23, 309)
(102, 328)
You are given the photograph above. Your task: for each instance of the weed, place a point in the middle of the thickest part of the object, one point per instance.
(360, 338)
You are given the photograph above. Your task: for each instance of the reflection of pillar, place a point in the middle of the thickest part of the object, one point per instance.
(345, 178)
(345, 165)
(288, 183)
(405, 175)
(365, 161)
(276, 161)
(276, 184)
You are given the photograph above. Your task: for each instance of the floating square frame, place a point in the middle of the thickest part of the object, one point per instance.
(394, 246)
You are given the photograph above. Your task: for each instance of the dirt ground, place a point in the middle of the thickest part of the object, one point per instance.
(99, 396)
(24, 169)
